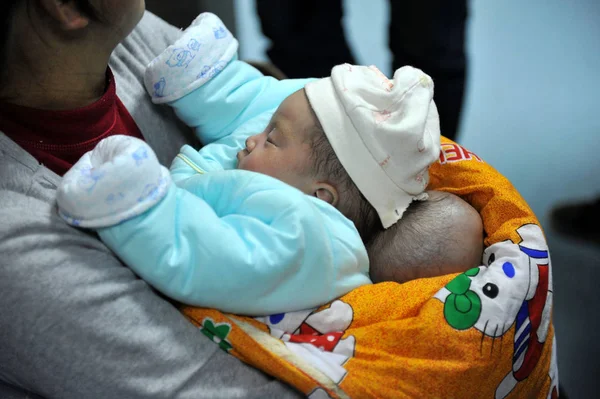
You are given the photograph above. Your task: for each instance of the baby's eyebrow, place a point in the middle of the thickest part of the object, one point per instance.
(282, 124)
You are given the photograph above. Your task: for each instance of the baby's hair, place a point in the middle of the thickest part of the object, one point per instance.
(353, 204)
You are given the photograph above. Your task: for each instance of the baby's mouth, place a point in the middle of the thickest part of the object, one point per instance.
(242, 154)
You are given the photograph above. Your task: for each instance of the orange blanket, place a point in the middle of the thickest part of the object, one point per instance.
(484, 333)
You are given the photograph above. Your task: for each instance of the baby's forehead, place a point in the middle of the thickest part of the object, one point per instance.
(295, 106)
(296, 113)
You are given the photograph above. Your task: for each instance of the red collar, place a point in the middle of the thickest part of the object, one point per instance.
(58, 138)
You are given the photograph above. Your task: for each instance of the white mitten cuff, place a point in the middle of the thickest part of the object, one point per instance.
(120, 179)
(205, 48)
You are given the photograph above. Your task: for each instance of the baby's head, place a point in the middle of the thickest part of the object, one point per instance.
(294, 149)
(356, 140)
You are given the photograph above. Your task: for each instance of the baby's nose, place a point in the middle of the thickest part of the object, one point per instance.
(250, 143)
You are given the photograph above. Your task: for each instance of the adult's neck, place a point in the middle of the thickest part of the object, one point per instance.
(50, 69)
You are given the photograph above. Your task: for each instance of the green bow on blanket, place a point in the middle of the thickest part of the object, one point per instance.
(463, 306)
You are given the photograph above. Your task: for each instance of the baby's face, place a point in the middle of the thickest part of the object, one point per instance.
(283, 149)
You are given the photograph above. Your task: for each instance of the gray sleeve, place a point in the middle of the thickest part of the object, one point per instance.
(77, 324)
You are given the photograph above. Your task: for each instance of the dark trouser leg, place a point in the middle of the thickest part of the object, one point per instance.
(307, 38)
(578, 220)
(430, 35)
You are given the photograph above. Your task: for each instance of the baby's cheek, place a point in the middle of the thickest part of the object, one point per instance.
(243, 164)
(252, 163)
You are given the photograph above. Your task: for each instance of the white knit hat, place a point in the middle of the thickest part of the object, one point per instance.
(385, 133)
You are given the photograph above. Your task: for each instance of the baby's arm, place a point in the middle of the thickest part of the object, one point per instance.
(440, 236)
(210, 90)
(234, 240)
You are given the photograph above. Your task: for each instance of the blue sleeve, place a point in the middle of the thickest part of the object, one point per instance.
(243, 243)
(235, 104)
(233, 97)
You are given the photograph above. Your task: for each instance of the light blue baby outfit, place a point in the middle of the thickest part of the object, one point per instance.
(210, 235)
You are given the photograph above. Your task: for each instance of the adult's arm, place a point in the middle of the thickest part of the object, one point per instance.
(77, 324)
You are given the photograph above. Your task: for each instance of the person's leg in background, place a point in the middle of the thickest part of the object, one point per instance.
(578, 220)
(308, 40)
(430, 35)
(307, 37)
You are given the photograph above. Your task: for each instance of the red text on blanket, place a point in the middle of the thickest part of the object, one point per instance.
(452, 152)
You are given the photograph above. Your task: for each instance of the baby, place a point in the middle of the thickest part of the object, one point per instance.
(340, 159)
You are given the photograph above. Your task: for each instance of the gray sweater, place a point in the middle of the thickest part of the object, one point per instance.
(76, 323)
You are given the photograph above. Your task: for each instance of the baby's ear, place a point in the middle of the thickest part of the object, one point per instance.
(327, 193)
